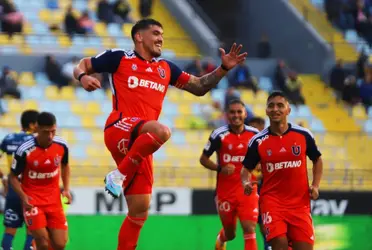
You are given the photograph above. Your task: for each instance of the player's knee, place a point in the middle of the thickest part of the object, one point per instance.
(59, 245)
(42, 243)
(163, 132)
(230, 234)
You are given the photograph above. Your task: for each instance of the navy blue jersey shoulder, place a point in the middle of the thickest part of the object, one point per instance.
(252, 157)
(174, 70)
(109, 60)
(312, 150)
(62, 142)
(12, 141)
(214, 141)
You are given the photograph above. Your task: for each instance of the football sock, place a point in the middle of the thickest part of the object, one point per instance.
(6, 244)
(250, 241)
(129, 233)
(28, 242)
(221, 236)
(145, 145)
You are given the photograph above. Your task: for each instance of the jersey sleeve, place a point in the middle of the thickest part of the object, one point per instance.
(213, 144)
(178, 78)
(65, 157)
(19, 163)
(252, 157)
(312, 150)
(107, 61)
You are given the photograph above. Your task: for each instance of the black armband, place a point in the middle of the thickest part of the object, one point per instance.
(81, 76)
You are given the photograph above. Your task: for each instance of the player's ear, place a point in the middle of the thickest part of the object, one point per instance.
(289, 108)
(138, 37)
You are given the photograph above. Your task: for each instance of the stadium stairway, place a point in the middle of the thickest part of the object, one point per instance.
(342, 49)
(347, 145)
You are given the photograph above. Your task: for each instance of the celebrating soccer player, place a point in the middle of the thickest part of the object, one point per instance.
(40, 161)
(139, 82)
(230, 142)
(13, 215)
(281, 149)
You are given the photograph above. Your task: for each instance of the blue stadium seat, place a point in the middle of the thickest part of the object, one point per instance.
(218, 95)
(166, 121)
(304, 111)
(32, 93)
(101, 120)
(317, 126)
(318, 3)
(69, 121)
(169, 54)
(114, 29)
(160, 154)
(41, 79)
(79, 5)
(124, 43)
(4, 132)
(79, 40)
(9, 49)
(224, 83)
(169, 110)
(48, 40)
(370, 112)
(368, 126)
(351, 36)
(82, 94)
(30, 15)
(294, 111)
(40, 28)
(33, 40)
(106, 106)
(98, 95)
(77, 152)
(83, 135)
(196, 109)
(94, 42)
(266, 84)
(51, 4)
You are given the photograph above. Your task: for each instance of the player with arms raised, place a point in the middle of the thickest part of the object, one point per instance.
(40, 161)
(230, 142)
(281, 149)
(139, 82)
(13, 213)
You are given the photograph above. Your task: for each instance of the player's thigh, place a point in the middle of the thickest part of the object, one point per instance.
(56, 218)
(279, 243)
(300, 228)
(35, 218)
(13, 215)
(247, 208)
(296, 245)
(138, 205)
(41, 237)
(143, 180)
(160, 130)
(227, 212)
(58, 238)
(274, 223)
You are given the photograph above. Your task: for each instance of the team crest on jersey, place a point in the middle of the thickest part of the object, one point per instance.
(161, 72)
(296, 150)
(57, 160)
(134, 67)
(269, 152)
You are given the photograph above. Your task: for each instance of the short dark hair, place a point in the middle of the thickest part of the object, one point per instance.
(234, 101)
(275, 94)
(28, 117)
(46, 119)
(144, 24)
(257, 119)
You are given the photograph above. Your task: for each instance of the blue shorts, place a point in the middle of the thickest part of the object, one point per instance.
(13, 212)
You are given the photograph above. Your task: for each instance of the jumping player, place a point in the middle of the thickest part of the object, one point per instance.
(139, 82)
(259, 123)
(40, 161)
(230, 142)
(281, 149)
(13, 215)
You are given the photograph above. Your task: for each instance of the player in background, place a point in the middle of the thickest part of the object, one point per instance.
(230, 142)
(259, 123)
(13, 214)
(139, 82)
(40, 161)
(281, 149)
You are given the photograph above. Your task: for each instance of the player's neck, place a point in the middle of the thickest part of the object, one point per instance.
(279, 128)
(42, 145)
(142, 53)
(237, 129)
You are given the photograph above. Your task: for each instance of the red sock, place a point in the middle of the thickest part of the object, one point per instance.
(250, 242)
(129, 233)
(145, 145)
(221, 236)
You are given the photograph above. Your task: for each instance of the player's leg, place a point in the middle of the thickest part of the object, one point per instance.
(29, 242)
(57, 226)
(275, 228)
(58, 238)
(8, 236)
(248, 214)
(146, 138)
(263, 233)
(301, 230)
(249, 231)
(37, 223)
(279, 243)
(227, 213)
(138, 197)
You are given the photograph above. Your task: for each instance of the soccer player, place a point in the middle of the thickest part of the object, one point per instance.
(139, 81)
(40, 161)
(13, 215)
(281, 149)
(230, 142)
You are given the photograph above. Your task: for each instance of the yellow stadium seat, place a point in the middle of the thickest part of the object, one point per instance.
(359, 112)
(67, 93)
(25, 50)
(173, 95)
(97, 135)
(247, 96)
(45, 15)
(19, 106)
(93, 108)
(334, 139)
(100, 29)
(52, 92)
(90, 52)
(78, 108)
(56, 17)
(64, 41)
(27, 28)
(26, 79)
(108, 42)
(127, 27)
(261, 97)
(109, 94)
(9, 120)
(87, 121)
(16, 40)
(68, 135)
(183, 109)
(4, 39)
(259, 110)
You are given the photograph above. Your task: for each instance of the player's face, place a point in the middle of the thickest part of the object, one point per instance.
(236, 114)
(277, 109)
(46, 134)
(152, 39)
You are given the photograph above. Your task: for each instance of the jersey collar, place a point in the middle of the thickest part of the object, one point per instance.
(231, 131)
(143, 59)
(286, 132)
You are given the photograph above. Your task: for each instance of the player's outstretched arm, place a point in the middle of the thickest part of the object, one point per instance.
(82, 73)
(199, 86)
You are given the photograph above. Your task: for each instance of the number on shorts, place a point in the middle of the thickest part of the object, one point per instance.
(266, 218)
(224, 206)
(32, 212)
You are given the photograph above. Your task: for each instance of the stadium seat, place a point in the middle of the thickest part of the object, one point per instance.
(52, 92)
(351, 36)
(304, 111)
(26, 79)
(100, 29)
(265, 84)
(358, 112)
(247, 96)
(368, 126)
(67, 93)
(41, 79)
(114, 29)
(261, 97)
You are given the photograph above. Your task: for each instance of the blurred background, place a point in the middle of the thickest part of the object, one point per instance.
(316, 51)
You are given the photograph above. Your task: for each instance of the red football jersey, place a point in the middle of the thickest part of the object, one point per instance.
(138, 86)
(230, 148)
(40, 169)
(283, 162)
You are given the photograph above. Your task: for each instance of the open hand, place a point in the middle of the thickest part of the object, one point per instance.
(233, 58)
(90, 83)
(248, 187)
(67, 194)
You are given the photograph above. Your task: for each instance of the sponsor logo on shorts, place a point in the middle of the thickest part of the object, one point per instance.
(282, 165)
(10, 215)
(36, 175)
